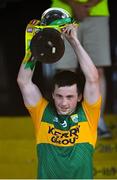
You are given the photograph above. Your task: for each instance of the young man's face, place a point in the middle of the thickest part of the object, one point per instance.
(66, 99)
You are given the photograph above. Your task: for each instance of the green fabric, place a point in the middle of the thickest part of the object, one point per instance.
(71, 162)
(79, 111)
(61, 22)
(65, 163)
(101, 9)
(30, 64)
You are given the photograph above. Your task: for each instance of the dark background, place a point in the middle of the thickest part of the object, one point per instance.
(14, 17)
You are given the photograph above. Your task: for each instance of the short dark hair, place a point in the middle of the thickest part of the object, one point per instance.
(68, 78)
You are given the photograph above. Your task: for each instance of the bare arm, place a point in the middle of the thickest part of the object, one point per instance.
(91, 89)
(30, 92)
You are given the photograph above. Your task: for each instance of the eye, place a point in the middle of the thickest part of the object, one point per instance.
(70, 97)
(58, 96)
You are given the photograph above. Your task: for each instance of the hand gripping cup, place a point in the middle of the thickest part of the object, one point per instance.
(47, 43)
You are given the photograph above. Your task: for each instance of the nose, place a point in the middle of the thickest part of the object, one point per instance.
(64, 102)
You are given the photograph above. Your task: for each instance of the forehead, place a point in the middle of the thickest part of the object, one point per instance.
(66, 89)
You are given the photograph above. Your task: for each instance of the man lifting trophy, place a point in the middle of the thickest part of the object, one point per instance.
(65, 126)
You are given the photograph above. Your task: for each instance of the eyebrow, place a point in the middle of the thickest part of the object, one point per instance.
(70, 95)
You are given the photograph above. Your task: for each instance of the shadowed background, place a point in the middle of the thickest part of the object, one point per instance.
(17, 142)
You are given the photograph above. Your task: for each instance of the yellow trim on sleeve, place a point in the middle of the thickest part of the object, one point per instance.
(96, 104)
(92, 112)
(36, 113)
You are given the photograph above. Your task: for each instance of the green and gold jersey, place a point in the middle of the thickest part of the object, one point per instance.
(65, 143)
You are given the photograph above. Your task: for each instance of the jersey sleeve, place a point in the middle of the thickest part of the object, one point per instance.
(93, 113)
(36, 112)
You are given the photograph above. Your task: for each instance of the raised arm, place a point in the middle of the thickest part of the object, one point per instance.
(30, 92)
(91, 89)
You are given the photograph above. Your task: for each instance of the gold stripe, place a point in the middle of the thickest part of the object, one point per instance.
(77, 134)
(36, 113)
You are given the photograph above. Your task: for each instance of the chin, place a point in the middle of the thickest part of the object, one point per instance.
(64, 113)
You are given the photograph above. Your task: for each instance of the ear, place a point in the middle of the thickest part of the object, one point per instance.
(53, 95)
(79, 97)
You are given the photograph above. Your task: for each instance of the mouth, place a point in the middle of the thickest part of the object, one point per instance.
(64, 110)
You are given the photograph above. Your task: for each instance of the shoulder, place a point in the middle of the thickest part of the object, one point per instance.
(97, 104)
